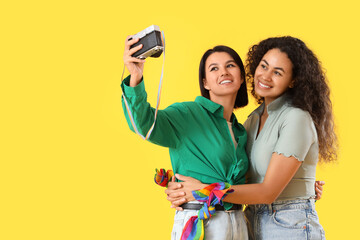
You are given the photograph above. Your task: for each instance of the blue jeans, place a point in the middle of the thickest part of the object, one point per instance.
(292, 219)
(225, 225)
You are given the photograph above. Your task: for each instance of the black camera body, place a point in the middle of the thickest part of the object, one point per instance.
(150, 38)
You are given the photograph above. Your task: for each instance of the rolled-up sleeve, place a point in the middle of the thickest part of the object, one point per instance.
(168, 126)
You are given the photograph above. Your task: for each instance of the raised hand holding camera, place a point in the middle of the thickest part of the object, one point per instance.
(134, 65)
(147, 43)
(152, 42)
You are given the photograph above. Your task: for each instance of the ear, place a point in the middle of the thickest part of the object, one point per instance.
(242, 80)
(205, 84)
(291, 85)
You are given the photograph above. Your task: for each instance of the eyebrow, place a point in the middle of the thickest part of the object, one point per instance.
(278, 68)
(229, 61)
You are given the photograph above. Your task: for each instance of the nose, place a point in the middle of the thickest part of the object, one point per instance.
(266, 76)
(224, 72)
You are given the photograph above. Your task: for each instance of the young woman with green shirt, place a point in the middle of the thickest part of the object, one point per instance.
(287, 134)
(204, 138)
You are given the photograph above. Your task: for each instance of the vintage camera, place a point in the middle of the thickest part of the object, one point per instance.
(150, 38)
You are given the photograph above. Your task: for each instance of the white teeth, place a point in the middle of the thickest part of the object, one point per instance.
(264, 86)
(225, 81)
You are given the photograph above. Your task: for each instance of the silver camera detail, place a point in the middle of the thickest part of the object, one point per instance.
(150, 38)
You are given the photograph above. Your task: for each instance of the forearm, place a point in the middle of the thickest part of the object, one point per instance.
(279, 173)
(252, 194)
(135, 79)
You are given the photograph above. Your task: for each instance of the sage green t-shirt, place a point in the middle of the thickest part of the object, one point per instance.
(288, 131)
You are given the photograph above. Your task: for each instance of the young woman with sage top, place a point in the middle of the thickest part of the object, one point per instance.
(287, 134)
(204, 138)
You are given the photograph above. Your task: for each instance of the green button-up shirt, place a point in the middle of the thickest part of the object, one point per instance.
(196, 134)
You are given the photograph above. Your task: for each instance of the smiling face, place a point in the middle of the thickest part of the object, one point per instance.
(273, 75)
(222, 75)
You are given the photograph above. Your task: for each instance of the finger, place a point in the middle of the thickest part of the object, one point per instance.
(134, 50)
(130, 42)
(179, 177)
(173, 186)
(176, 195)
(173, 179)
(129, 59)
(178, 202)
(318, 192)
(183, 178)
(179, 208)
(320, 183)
(173, 201)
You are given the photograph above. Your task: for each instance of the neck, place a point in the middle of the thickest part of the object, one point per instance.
(228, 104)
(265, 112)
(266, 102)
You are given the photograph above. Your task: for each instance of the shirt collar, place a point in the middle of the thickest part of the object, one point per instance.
(278, 103)
(211, 106)
(215, 108)
(274, 106)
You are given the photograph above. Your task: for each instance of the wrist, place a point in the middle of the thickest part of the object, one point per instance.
(204, 185)
(135, 79)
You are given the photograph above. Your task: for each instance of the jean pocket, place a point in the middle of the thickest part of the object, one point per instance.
(179, 217)
(290, 218)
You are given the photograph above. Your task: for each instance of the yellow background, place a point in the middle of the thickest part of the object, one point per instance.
(71, 168)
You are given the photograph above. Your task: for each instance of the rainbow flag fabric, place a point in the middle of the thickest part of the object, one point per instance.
(211, 195)
(162, 177)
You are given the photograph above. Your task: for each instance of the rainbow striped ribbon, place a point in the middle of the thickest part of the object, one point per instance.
(211, 195)
(158, 98)
(162, 177)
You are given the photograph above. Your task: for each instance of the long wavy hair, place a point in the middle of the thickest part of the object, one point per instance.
(310, 91)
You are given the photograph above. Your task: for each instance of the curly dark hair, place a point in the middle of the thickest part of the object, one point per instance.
(310, 91)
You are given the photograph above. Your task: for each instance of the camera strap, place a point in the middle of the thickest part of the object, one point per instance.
(158, 97)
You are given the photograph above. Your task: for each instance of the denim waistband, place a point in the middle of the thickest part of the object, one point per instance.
(285, 204)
